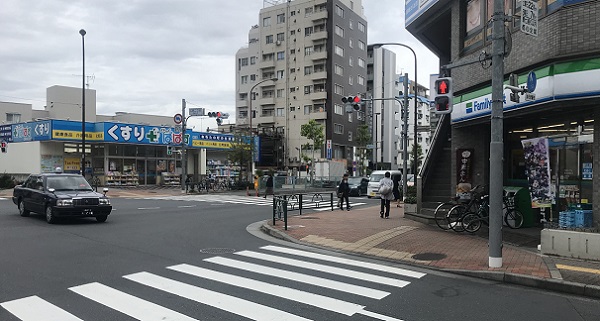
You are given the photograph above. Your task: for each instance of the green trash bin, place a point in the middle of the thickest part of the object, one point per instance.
(522, 203)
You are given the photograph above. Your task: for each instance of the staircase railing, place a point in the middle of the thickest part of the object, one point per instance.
(437, 143)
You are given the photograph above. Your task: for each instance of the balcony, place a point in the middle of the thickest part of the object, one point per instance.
(265, 119)
(319, 35)
(318, 95)
(267, 64)
(318, 115)
(270, 100)
(318, 55)
(319, 15)
(318, 75)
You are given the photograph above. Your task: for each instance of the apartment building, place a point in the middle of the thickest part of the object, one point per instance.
(301, 59)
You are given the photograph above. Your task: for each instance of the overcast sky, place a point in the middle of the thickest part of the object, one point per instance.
(146, 55)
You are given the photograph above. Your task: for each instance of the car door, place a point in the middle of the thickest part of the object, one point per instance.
(26, 189)
(38, 195)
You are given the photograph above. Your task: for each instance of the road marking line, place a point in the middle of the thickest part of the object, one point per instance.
(182, 206)
(378, 316)
(244, 308)
(148, 208)
(372, 266)
(128, 304)
(325, 268)
(317, 300)
(299, 277)
(577, 269)
(34, 308)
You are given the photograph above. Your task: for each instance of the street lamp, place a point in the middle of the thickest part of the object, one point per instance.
(250, 122)
(82, 33)
(378, 45)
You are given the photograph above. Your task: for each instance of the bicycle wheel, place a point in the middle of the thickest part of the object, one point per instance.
(513, 218)
(441, 213)
(454, 217)
(471, 222)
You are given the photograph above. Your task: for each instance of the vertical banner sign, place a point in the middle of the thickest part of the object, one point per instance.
(329, 151)
(537, 171)
(464, 164)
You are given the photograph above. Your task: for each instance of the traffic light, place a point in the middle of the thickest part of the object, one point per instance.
(513, 80)
(219, 116)
(352, 102)
(443, 98)
(169, 150)
(214, 114)
(4, 146)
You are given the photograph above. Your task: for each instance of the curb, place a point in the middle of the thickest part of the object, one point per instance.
(556, 285)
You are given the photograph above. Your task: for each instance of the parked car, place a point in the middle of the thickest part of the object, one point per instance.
(59, 195)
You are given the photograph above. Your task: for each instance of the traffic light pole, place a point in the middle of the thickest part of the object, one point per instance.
(183, 154)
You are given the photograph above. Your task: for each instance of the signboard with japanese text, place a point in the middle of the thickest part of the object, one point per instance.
(71, 130)
(6, 133)
(529, 17)
(34, 131)
(140, 134)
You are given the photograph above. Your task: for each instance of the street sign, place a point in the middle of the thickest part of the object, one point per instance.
(370, 146)
(178, 118)
(329, 149)
(178, 128)
(529, 17)
(196, 111)
(531, 82)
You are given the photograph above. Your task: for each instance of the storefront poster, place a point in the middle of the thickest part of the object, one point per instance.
(464, 163)
(537, 171)
(72, 164)
(587, 171)
(51, 162)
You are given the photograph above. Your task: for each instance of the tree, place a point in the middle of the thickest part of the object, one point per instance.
(362, 139)
(313, 131)
(419, 158)
(240, 152)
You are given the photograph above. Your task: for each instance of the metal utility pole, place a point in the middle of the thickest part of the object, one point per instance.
(404, 114)
(183, 156)
(496, 142)
(82, 33)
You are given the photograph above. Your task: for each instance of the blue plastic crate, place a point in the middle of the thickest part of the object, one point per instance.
(566, 219)
(583, 218)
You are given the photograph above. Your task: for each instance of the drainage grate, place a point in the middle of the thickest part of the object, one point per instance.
(217, 251)
(429, 256)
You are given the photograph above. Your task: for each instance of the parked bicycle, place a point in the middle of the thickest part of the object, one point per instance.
(472, 221)
(447, 219)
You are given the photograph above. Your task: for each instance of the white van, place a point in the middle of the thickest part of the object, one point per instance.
(376, 176)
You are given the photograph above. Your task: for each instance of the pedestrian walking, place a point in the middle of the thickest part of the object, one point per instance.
(396, 190)
(269, 190)
(386, 186)
(344, 193)
(256, 185)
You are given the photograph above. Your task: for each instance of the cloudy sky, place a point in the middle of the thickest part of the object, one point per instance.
(146, 55)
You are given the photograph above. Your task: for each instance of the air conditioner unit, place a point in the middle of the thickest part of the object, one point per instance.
(278, 43)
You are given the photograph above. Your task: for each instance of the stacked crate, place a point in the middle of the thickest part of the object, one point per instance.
(583, 218)
(566, 219)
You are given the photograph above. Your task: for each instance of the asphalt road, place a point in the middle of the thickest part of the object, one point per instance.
(156, 259)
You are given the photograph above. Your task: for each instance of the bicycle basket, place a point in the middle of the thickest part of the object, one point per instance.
(509, 201)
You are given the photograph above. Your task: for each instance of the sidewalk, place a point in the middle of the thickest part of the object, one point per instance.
(361, 231)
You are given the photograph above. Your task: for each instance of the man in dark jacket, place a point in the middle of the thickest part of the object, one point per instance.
(269, 185)
(344, 193)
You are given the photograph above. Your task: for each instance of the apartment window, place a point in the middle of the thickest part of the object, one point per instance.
(280, 74)
(292, 70)
(360, 80)
(281, 18)
(350, 80)
(351, 61)
(361, 62)
(350, 136)
(339, 51)
(307, 89)
(338, 109)
(308, 31)
(338, 129)
(307, 109)
(292, 109)
(252, 60)
(319, 68)
(361, 45)
(281, 36)
(361, 27)
(339, 70)
(339, 31)
(280, 93)
(280, 55)
(339, 11)
(244, 80)
(351, 24)
(252, 77)
(243, 96)
(243, 62)
(266, 21)
(308, 11)
(308, 70)
(269, 39)
(350, 43)
(292, 89)
(268, 57)
(338, 89)
(280, 112)
(13, 118)
(292, 51)
(349, 118)
(308, 51)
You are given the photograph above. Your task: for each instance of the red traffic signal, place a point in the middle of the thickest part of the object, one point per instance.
(4, 145)
(442, 86)
(444, 95)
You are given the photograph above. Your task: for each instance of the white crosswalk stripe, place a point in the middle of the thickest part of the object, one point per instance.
(318, 205)
(335, 301)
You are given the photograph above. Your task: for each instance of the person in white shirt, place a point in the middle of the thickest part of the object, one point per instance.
(386, 188)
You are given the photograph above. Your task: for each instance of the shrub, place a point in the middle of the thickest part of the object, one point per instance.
(411, 195)
(6, 181)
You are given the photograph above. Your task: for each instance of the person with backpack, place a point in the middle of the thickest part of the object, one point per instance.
(386, 187)
(343, 192)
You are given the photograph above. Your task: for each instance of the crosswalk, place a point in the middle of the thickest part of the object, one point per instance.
(335, 276)
(318, 204)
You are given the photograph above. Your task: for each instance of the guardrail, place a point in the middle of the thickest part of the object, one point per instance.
(282, 204)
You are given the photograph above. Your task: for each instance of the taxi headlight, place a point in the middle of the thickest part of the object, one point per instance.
(104, 201)
(64, 202)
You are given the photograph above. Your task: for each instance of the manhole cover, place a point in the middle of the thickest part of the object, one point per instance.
(217, 251)
(309, 218)
(429, 256)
